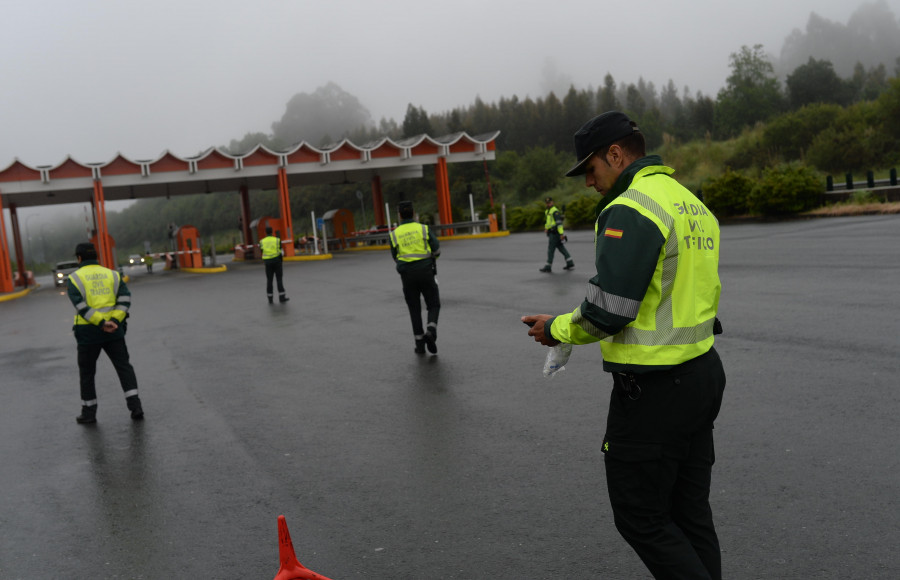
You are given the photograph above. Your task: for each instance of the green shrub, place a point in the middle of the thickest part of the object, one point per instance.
(526, 218)
(787, 188)
(581, 211)
(792, 134)
(856, 142)
(862, 197)
(838, 150)
(728, 194)
(751, 153)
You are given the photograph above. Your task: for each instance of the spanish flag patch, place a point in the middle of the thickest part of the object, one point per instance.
(611, 233)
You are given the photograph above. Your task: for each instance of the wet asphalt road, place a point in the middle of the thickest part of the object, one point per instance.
(464, 465)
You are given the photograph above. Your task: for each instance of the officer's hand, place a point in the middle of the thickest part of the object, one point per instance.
(537, 323)
(110, 326)
(565, 238)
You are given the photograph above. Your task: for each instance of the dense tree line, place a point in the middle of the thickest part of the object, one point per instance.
(826, 114)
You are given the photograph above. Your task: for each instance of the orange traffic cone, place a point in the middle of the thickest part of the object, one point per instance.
(291, 569)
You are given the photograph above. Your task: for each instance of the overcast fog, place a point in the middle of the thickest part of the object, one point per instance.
(94, 78)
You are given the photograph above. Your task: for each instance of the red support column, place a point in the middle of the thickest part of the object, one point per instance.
(245, 221)
(287, 243)
(104, 251)
(17, 246)
(442, 182)
(6, 277)
(378, 201)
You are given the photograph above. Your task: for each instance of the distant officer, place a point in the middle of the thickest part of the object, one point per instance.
(415, 248)
(101, 301)
(148, 260)
(271, 255)
(553, 225)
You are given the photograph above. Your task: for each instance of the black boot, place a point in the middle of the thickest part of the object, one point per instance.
(88, 415)
(569, 265)
(420, 346)
(134, 405)
(545, 269)
(271, 301)
(283, 298)
(430, 341)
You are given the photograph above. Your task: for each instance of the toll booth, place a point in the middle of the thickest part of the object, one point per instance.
(190, 252)
(339, 225)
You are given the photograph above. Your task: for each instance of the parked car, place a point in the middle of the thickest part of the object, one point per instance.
(62, 270)
(135, 260)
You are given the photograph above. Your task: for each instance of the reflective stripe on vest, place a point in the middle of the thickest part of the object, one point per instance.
(411, 241)
(674, 322)
(99, 287)
(270, 246)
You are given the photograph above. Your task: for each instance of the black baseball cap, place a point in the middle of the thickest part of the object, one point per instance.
(86, 250)
(597, 133)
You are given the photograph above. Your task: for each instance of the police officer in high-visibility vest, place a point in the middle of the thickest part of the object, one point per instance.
(553, 225)
(415, 248)
(102, 302)
(652, 306)
(271, 255)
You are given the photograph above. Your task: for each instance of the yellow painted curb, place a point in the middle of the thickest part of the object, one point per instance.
(475, 236)
(14, 295)
(307, 258)
(441, 238)
(215, 270)
(367, 248)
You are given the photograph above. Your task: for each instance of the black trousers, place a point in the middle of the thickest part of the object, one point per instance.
(659, 455)
(87, 367)
(274, 269)
(420, 284)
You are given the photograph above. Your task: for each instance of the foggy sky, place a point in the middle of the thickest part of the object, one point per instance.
(92, 78)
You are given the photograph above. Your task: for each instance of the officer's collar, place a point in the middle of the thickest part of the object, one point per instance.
(625, 179)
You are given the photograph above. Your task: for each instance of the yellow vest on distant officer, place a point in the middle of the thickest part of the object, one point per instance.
(99, 286)
(270, 246)
(550, 220)
(411, 241)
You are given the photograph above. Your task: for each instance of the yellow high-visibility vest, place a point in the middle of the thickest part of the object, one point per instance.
(270, 246)
(411, 241)
(675, 319)
(99, 287)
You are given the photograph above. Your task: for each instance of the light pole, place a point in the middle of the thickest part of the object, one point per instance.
(28, 235)
(359, 196)
(43, 243)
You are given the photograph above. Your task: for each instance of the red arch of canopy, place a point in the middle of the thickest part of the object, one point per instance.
(215, 170)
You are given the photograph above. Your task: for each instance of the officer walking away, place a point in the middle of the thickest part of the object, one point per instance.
(148, 260)
(415, 248)
(271, 255)
(553, 224)
(102, 301)
(652, 306)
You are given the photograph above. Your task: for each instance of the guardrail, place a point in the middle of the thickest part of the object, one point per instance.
(850, 184)
(384, 238)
